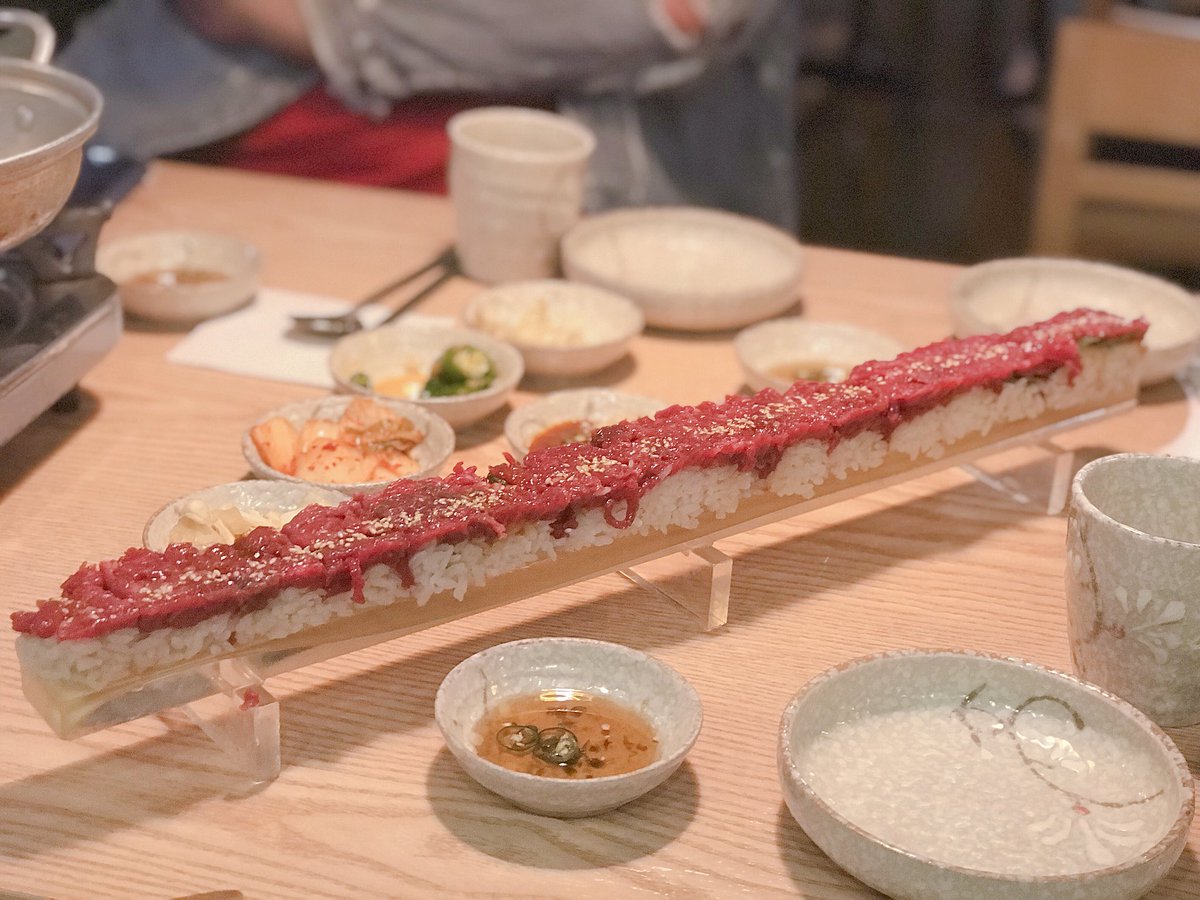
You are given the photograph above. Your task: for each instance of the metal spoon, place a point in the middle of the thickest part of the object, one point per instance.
(348, 322)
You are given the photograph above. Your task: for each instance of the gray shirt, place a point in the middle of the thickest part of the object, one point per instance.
(677, 120)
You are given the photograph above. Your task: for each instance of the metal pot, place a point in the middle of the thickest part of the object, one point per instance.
(46, 114)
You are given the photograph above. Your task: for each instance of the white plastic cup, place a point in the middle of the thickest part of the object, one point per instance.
(517, 179)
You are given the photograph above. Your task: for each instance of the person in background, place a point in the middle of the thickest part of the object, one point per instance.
(691, 101)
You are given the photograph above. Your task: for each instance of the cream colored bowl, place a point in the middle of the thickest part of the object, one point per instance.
(998, 296)
(958, 774)
(592, 407)
(689, 269)
(430, 454)
(643, 684)
(258, 501)
(180, 277)
(561, 327)
(414, 346)
(812, 351)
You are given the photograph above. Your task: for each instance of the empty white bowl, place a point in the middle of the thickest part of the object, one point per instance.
(998, 296)
(812, 351)
(429, 455)
(260, 501)
(689, 269)
(591, 407)
(414, 346)
(639, 682)
(957, 774)
(180, 277)
(560, 327)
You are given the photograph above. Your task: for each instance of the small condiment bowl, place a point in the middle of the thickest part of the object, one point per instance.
(591, 407)
(947, 774)
(689, 269)
(257, 499)
(411, 348)
(561, 327)
(829, 349)
(429, 455)
(998, 296)
(180, 277)
(656, 692)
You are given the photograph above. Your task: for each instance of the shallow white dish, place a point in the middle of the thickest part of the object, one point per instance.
(956, 774)
(259, 498)
(998, 296)
(407, 346)
(591, 406)
(637, 681)
(434, 450)
(835, 346)
(560, 327)
(181, 303)
(688, 268)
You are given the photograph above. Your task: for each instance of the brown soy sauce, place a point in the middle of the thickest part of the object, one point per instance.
(606, 737)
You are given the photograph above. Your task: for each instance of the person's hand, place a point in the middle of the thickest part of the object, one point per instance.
(688, 22)
(275, 25)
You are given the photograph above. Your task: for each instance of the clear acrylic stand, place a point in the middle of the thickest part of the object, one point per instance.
(1041, 479)
(226, 697)
(241, 717)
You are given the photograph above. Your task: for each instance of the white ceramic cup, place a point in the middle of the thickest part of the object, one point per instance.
(1133, 581)
(517, 179)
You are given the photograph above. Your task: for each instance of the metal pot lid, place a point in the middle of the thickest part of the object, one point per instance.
(44, 113)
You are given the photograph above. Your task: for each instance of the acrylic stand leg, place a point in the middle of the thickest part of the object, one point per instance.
(1036, 475)
(697, 579)
(242, 718)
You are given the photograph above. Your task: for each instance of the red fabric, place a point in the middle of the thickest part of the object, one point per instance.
(318, 137)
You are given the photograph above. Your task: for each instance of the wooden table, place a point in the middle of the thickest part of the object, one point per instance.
(370, 803)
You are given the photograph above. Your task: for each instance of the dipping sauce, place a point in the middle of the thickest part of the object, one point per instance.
(565, 733)
(568, 432)
(821, 370)
(174, 277)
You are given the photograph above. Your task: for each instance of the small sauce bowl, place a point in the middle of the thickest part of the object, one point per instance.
(813, 351)
(181, 277)
(640, 683)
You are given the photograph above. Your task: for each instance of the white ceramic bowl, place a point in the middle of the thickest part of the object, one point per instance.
(415, 345)
(434, 450)
(689, 269)
(633, 679)
(228, 265)
(836, 347)
(254, 499)
(560, 327)
(1000, 295)
(592, 406)
(956, 774)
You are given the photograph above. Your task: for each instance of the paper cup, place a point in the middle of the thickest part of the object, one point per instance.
(517, 180)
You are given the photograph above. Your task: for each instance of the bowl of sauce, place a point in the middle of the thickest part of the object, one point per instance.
(181, 277)
(566, 417)
(783, 351)
(567, 727)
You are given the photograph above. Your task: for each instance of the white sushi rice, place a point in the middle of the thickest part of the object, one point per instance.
(681, 500)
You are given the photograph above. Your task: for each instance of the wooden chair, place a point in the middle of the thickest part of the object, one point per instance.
(1110, 80)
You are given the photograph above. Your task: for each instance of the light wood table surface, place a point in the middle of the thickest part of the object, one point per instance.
(369, 802)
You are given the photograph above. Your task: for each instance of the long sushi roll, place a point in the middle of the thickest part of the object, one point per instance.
(634, 484)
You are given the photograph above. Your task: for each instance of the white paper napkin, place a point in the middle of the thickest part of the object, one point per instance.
(257, 340)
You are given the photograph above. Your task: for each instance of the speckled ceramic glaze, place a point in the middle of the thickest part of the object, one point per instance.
(434, 449)
(1133, 581)
(633, 679)
(516, 179)
(955, 774)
